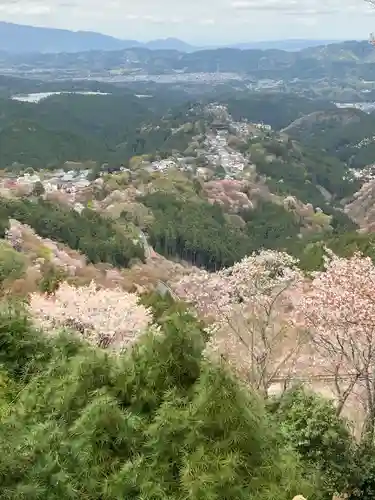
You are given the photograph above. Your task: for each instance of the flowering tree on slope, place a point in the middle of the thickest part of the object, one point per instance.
(105, 317)
(339, 311)
(246, 304)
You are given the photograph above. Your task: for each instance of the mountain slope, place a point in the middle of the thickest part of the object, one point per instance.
(350, 50)
(28, 143)
(18, 38)
(109, 128)
(348, 134)
(169, 44)
(275, 109)
(67, 127)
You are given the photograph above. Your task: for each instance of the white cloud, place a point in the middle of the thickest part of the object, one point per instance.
(28, 8)
(153, 19)
(313, 7)
(132, 17)
(207, 22)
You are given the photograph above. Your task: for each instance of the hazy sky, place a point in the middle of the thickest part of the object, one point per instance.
(200, 21)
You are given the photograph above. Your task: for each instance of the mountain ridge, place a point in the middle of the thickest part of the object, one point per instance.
(348, 134)
(52, 40)
(338, 61)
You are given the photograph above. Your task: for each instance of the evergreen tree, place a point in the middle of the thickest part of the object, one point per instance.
(157, 422)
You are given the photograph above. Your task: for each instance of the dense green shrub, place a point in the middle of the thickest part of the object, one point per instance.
(23, 351)
(158, 422)
(322, 439)
(12, 263)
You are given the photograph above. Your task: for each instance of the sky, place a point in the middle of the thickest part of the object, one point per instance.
(200, 21)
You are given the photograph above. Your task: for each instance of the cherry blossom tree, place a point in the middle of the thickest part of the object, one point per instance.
(339, 311)
(246, 306)
(105, 317)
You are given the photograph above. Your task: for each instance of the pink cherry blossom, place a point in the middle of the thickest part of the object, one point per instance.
(105, 317)
(246, 305)
(338, 309)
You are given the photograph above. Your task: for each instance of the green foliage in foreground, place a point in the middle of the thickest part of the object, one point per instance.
(12, 263)
(158, 422)
(325, 445)
(322, 439)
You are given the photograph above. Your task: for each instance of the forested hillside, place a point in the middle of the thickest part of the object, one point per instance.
(87, 231)
(204, 235)
(205, 230)
(190, 315)
(338, 60)
(81, 127)
(345, 133)
(276, 109)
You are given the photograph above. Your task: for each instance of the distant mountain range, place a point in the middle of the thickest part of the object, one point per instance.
(334, 61)
(287, 45)
(17, 38)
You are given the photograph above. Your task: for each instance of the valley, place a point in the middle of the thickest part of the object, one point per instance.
(187, 265)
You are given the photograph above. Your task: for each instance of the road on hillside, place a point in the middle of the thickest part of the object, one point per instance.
(164, 289)
(146, 247)
(161, 287)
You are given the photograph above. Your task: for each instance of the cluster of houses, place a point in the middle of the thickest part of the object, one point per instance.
(365, 174)
(183, 163)
(163, 165)
(262, 126)
(215, 150)
(59, 180)
(219, 154)
(215, 147)
(224, 121)
(364, 142)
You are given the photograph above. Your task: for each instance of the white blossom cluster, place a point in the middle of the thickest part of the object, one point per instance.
(14, 234)
(105, 317)
(253, 280)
